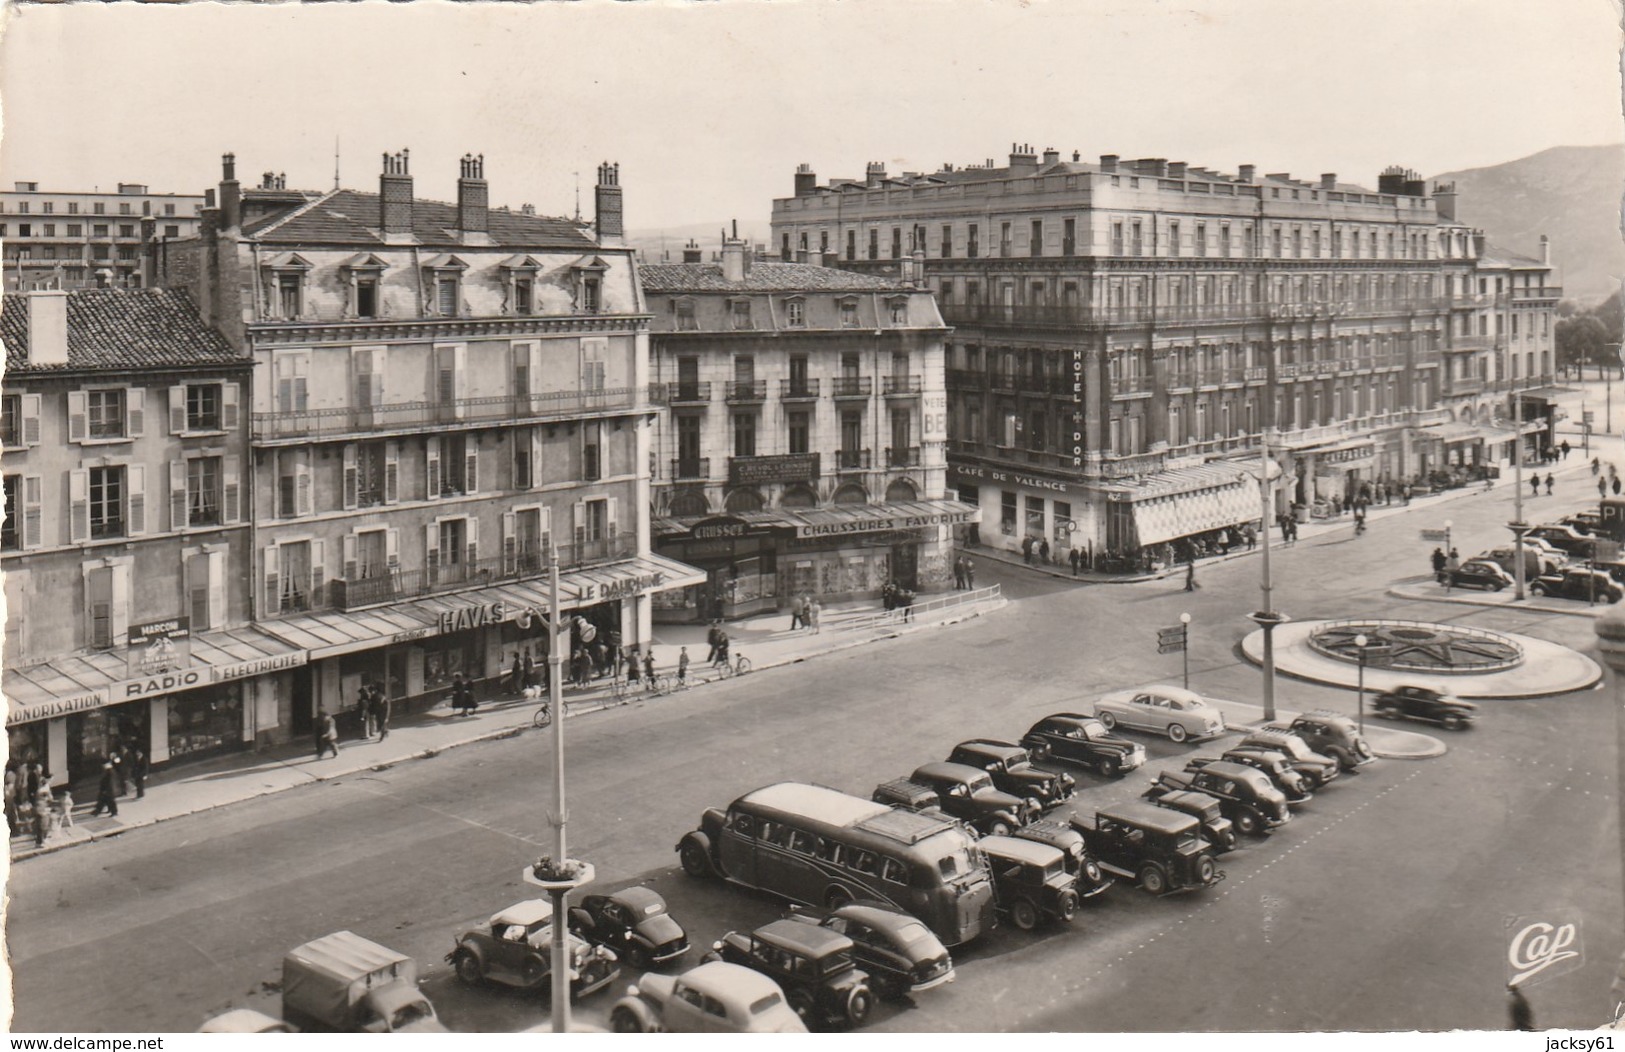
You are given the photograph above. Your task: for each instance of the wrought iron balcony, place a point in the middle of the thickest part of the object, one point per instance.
(690, 468)
(900, 384)
(502, 409)
(799, 389)
(852, 460)
(738, 392)
(902, 456)
(852, 386)
(683, 392)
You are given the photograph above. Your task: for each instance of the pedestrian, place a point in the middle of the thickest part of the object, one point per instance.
(649, 667)
(970, 573)
(713, 637)
(632, 664)
(117, 759)
(1565, 448)
(1027, 550)
(1043, 552)
(905, 599)
(64, 809)
(1548, 483)
(381, 708)
(138, 771)
(1073, 558)
(1405, 493)
(682, 665)
(517, 678)
(106, 794)
(616, 652)
(795, 613)
(42, 814)
(1616, 485)
(1190, 576)
(364, 710)
(11, 800)
(813, 611)
(1439, 559)
(888, 596)
(1452, 563)
(959, 574)
(1534, 485)
(1519, 1013)
(531, 671)
(1596, 465)
(327, 735)
(1602, 488)
(722, 649)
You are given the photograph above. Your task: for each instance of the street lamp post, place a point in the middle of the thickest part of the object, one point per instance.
(1267, 618)
(1610, 628)
(1185, 646)
(1360, 642)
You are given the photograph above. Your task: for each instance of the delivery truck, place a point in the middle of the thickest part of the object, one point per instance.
(344, 982)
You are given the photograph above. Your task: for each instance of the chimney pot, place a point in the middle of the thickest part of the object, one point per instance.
(231, 212)
(473, 196)
(607, 206)
(1246, 172)
(1545, 250)
(1328, 180)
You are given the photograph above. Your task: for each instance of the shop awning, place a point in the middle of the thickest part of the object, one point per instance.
(1546, 394)
(78, 683)
(834, 520)
(1180, 502)
(1453, 432)
(331, 633)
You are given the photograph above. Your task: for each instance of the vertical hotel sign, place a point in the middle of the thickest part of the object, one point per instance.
(1077, 407)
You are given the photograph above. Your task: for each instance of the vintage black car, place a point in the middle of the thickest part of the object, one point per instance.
(1425, 703)
(1563, 538)
(1080, 739)
(899, 953)
(1318, 769)
(1480, 573)
(1091, 880)
(1030, 881)
(1216, 829)
(813, 965)
(968, 793)
(1012, 770)
(1331, 734)
(516, 949)
(1162, 850)
(634, 923)
(1246, 796)
(1583, 522)
(1277, 766)
(1579, 582)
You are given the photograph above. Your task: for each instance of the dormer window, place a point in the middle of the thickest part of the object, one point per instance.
(795, 312)
(285, 277)
(363, 276)
(686, 320)
(588, 272)
(519, 282)
(898, 306)
(444, 285)
(739, 312)
(849, 313)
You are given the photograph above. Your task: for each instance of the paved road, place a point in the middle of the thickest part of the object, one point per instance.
(1382, 906)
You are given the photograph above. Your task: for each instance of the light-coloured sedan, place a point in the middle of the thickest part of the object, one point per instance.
(1179, 713)
(715, 997)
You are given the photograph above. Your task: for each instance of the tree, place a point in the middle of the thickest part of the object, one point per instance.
(1583, 340)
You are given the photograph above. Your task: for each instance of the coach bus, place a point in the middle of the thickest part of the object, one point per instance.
(820, 847)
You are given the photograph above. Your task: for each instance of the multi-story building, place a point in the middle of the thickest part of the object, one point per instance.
(1124, 330)
(801, 448)
(78, 239)
(125, 550)
(442, 394)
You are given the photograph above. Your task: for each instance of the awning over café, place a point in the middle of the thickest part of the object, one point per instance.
(1180, 502)
(834, 520)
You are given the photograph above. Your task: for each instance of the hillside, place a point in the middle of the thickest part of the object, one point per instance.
(651, 242)
(1570, 193)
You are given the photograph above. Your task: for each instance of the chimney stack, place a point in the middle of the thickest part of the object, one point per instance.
(473, 196)
(231, 194)
(395, 194)
(1328, 180)
(149, 252)
(1545, 250)
(735, 260)
(1176, 169)
(692, 253)
(1108, 163)
(1051, 155)
(874, 174)
(48, 327)
(1022, 159)
(1076, 156)
(1478, 244)
(1246, 172)
(806, 180)
(1444, 200)
(607, 204)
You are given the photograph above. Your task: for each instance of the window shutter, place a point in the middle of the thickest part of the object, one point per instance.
(78, 506)
(352, 478)
(459, 375)
(471, 474)
(78, 416)
(473, 528)
(536, 444)
(431, 472)
(375, 378)
(547, 529)
(231, 489)
(351, 561)
(121, 604)
(392, 472)
(580, 522)
(431, 548)
(177, 495)
(273, 580)
(392, 548)
(135, 482)
(230, 397)
(609, 524)
(135, 411)
(304, 499)
(31, 412)
(33, 525)
(535, 368)
(318, 573)
(177, 409)
(510, 543)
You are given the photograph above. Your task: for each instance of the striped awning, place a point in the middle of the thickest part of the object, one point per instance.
(836, 520)
(1181, 502)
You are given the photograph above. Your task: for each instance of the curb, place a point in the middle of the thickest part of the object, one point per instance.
(1464, 597)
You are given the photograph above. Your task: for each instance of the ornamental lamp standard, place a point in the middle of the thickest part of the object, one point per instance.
(1267, 618)
(1360, 643)
(1185, 646)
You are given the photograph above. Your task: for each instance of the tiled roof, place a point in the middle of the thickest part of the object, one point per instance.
(121, 329)
(763, 277)
(1494, 254)
(350, 217)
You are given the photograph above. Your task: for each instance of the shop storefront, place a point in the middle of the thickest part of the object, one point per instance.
(1015, 506)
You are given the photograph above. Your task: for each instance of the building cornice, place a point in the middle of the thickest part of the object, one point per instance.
(415, 329)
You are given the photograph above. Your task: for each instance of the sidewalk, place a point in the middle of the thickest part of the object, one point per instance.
(766, 641)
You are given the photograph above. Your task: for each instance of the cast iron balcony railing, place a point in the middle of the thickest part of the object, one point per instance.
(683, 468)
(1130, 385)
(1548, 292)
(500, 409)
(738, 392)
(902, 456)
(852, 386)
(683, 392)
(799, 390)
(393, 585)
(900, 384)
(852, 460)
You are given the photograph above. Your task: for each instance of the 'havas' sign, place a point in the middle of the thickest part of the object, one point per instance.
(465, 617)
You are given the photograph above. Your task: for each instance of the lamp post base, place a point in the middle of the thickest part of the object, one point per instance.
(1268, 620)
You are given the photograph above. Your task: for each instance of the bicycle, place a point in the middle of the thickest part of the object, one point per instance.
(543, 717)
(737, 667)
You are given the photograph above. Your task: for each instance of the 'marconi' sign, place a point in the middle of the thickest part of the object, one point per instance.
(1543, 946)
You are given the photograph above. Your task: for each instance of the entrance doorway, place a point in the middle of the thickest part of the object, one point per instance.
(905, 566)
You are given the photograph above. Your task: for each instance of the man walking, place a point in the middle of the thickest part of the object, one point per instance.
(1548, 483)
(138, 771)
(682, 665)
(1043, 552)
(1451, 564)
(1602, 488)
(327, 737)
(381, 712)
(1439, 560)
(714, 638)
(959, 574)
(1534, 485)
(1190, 576)
(1027, 550)
(1072, 557)
(106, 798)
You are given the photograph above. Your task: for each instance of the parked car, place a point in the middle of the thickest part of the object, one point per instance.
(1216, 829)
(348, 983)
(244, 1021)
(1012, 770)
(1080, 739)
(968, 793)
(1161, 850)
(897, 950)
(1030, 881)
(1318, 769)
(516, 949)
(1180, 714)
(1480, 573)
(634, 923)
(1090, 879)
(1331, 734)
(1425, 703)
(717, 998)
(1246, 795)
(1276, 766)
(814, 966)
(1588, 523)
(1579, 582)
(1537, 559)
(1563, 538)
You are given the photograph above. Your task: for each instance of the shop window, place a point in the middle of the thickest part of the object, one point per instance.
(1034, 521)
(202, 722)
(1007, 513)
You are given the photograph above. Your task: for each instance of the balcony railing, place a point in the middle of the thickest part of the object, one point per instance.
(804, 388)
(501, 409)
(852, 386)
(738, 391)
(902, 456)
(1181, 378)
(1127, 385)
(683, 392)
(690, 467)
(396, 585)
(1470, 343)
(852, 460)
(1549, 292)
(900, 384)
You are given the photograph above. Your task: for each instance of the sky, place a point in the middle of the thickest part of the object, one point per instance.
(709, 107)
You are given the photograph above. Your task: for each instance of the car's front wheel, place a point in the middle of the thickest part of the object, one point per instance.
(468, 968)
(1024, 915)
(1248, 821)
(801, 1002)
(1537, 589)
(625, 1021)
(1177, 733)
(1108, 767)
(1205, 869)
(859, 1003)
(1066, 907)
(1153, 879)
(998, 827)
(1454, 723)
(695, 862)
(1107, 720)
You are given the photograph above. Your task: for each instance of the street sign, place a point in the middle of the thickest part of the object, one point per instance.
(1170, 648)
(1590, 415)
(1170, 636)
(1437, 536)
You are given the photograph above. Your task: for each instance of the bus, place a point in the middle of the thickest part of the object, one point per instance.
(819, 847)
